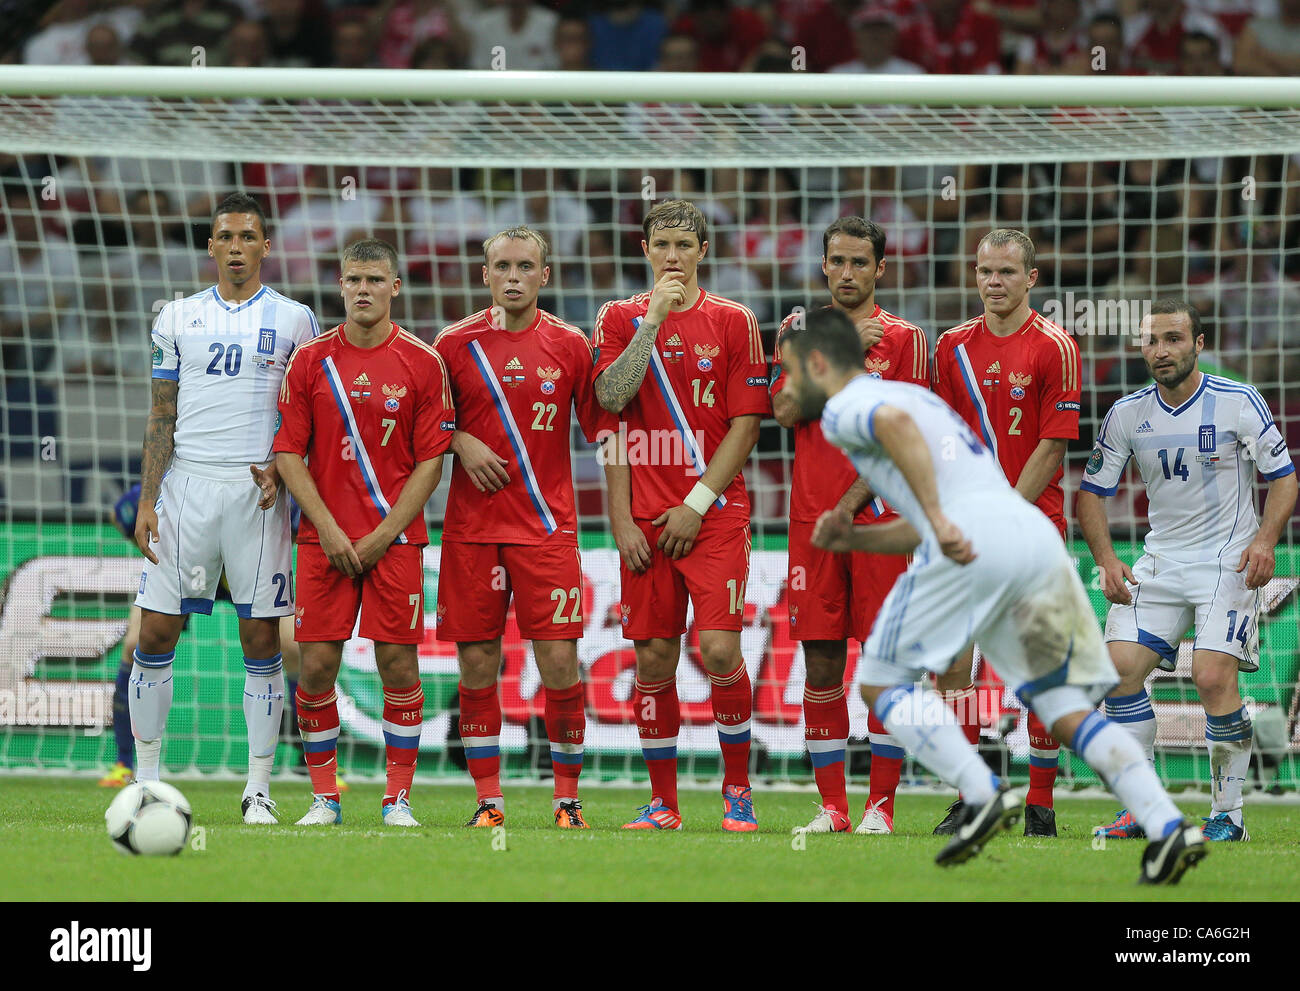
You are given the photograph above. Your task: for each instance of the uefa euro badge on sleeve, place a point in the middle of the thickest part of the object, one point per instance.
(1094, 462)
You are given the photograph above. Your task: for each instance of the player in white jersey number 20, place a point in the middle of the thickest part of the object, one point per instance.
(1022, 599)
(210, 498)
(1197, 441)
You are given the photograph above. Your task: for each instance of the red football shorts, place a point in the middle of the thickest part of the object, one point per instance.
(390, 596)
(711, 577)
(475, 582)
(836, 596)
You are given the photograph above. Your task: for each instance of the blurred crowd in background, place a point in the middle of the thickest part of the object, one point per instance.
(1160, 37)
(83, 271)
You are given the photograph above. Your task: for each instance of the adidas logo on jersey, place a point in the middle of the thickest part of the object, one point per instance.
(196, 322)
(514, 365)
(994, 369)
(674, 342)
(1146, 427)
(362, 379)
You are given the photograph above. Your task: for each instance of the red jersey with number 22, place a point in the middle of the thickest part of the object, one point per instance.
(822, 472)
(513, 391)
(1013, 391)
(708, 366)
(363, 418)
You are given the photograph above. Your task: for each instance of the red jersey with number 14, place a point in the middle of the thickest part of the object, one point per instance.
(708, 366)
(822, 472)
(1013, 391)
(513, 391)
(363, 418)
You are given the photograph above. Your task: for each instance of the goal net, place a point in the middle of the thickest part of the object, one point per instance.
(1130, 193)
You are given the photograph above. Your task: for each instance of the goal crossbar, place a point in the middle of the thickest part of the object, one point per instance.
(637, 120)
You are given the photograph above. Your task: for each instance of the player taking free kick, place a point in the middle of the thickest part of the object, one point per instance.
(679, 362)
(516, 372)
(368, 405)
(1022, 598)
(835, 596)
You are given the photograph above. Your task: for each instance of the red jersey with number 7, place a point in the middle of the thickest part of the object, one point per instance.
(364, 418)
(513, 391)
(708, 366)
(1013, 391)
(822, 472)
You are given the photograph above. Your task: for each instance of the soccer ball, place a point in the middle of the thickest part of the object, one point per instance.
(149, 818)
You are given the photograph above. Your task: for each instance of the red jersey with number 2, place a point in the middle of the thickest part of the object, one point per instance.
(1013, 391)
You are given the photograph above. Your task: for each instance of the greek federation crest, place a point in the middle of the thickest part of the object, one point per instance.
(393, 394)
(548, 376)
(706, 353)
(1018, 383)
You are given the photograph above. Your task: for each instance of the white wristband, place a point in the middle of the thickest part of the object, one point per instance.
(700, 498)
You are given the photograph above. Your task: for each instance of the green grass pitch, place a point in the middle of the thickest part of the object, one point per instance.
(53, 847)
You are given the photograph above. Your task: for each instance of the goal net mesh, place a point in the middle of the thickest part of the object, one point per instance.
(105, 215)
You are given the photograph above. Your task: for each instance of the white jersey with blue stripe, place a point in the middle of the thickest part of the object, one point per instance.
(962, 465)
(1197, 462)
(228, 361)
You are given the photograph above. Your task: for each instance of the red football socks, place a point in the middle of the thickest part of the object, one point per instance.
(566, 724)
(659, 720)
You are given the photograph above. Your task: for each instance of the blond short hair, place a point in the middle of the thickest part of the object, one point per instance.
(1002, 236)
(517, 234)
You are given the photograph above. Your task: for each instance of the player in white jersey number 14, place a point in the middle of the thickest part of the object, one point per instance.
(1024, 600)
(1197, 440)
(210, 498)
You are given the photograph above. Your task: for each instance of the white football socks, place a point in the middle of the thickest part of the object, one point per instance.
(1230, 739)
(1134, 713)
(1116, 756)
(149, 696)
(923, 725)
(263, 712)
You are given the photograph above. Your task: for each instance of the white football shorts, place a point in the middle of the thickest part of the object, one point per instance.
(1021, 599)
(208, 519)
(1171, 597)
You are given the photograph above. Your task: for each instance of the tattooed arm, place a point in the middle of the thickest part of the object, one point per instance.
(618, 383)
(159, 440)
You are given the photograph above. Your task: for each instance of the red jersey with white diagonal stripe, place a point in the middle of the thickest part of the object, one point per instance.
(822, 472)
(1013, 391)
(363, 418)
(707, 367)
(514, 392)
